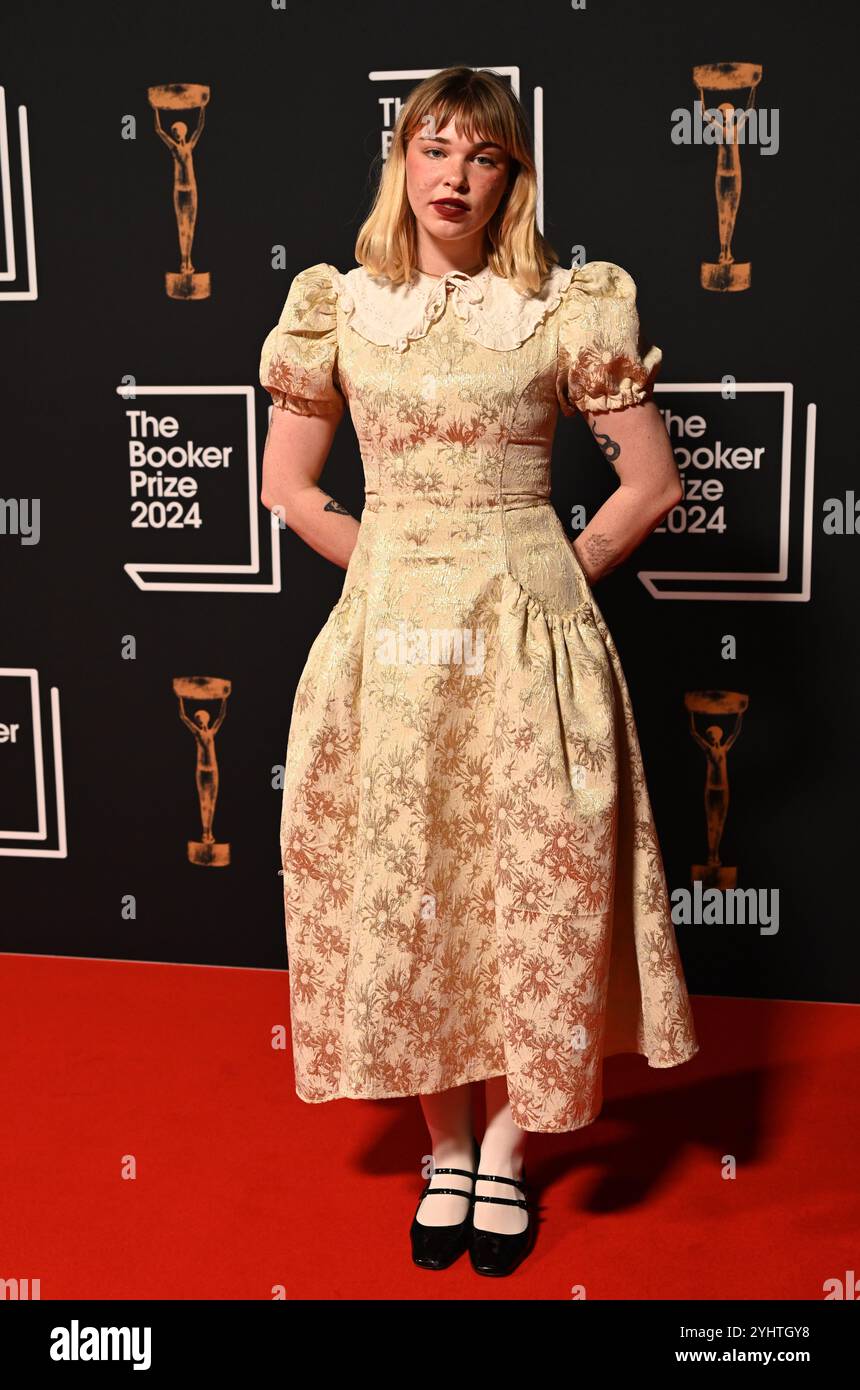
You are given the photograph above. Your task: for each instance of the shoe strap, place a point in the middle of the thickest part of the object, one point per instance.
(461, 1172)
(491, 1177)
(504, 1201)
(448, 1191)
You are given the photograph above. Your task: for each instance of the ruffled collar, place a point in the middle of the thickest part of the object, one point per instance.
(494, 313)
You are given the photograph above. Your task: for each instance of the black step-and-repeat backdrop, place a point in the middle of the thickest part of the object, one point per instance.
(170, 168)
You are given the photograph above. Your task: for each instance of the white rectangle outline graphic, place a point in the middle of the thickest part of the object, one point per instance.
(39, 769)
(786, 389)
(137, 568)
(11, 269)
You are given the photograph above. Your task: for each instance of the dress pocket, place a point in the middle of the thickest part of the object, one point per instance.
(543, 564)
(355, 570)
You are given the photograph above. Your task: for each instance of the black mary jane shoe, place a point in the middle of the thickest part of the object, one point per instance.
(497, 1253)
(437, 1247)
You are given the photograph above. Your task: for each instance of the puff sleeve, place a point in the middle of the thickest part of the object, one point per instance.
(298, 362)
(602, 364)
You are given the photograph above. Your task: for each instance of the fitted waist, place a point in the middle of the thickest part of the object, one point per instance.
(469, 500)
(421, 558)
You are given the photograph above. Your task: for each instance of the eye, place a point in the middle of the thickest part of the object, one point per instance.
(435, 149)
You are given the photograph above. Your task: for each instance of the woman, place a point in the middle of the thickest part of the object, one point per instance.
(472, 878)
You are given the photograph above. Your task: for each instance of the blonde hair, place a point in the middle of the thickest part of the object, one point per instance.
(476, 101)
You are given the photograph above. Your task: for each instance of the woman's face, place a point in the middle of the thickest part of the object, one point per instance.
(443, 165)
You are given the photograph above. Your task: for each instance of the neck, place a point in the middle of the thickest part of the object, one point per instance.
(437, 274)
(435, 259)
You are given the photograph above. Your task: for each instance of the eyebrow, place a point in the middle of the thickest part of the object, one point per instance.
(443, 140)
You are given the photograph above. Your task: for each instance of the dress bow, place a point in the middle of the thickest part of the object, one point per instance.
(468, 292)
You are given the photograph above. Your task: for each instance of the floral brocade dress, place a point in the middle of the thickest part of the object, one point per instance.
(473, 883)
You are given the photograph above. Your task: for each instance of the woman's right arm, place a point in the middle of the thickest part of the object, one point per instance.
(297, 447)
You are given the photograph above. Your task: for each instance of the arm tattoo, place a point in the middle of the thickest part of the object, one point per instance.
(333, 506)
(608, 447)
(601, 551)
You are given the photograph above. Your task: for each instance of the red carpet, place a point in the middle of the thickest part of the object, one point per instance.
(241, 1187)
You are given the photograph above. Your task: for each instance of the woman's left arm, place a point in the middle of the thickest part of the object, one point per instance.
(635, 442)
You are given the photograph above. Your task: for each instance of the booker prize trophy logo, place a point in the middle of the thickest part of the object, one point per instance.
(727, 273)
(713, 705)
(186, 283)
(206, 851)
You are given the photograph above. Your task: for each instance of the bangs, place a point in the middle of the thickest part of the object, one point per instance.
(477, 116)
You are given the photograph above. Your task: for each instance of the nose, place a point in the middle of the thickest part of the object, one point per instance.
(457, 178)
